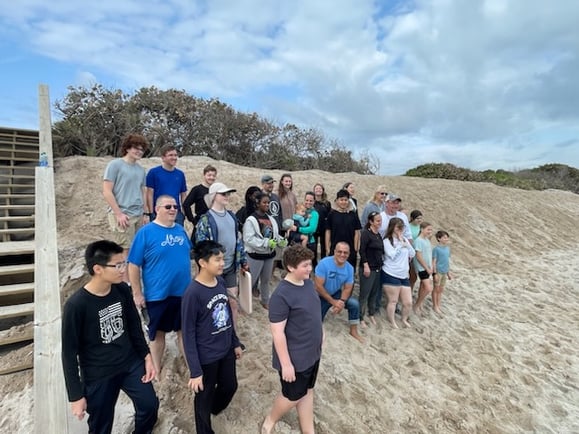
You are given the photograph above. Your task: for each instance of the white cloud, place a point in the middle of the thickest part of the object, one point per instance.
(432, 80)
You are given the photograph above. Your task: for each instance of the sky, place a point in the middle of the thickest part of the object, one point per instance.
(482, 84)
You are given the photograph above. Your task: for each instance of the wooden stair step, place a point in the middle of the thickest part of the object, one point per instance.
(17, 289)
(14, 158)
(17, 218)
(16, 176)
(16, 310)
(16, 248)
(15, 185)
(7, 270)
(15, 206)
(9, 337)
(16, 150)
(17, 196)
(17, 166)
(14, 231)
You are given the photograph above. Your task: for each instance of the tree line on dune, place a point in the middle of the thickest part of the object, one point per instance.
(556, 176)
(94, 121)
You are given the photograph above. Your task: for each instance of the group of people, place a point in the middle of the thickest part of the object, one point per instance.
(145, 275)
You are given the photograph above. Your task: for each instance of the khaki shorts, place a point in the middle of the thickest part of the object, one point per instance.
(440, 279)
(124, 237)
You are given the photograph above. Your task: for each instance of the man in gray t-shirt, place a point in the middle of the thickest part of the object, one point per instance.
(124, 191)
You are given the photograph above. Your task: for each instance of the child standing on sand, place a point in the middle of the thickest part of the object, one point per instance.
(441, 267)
(423, 264)
(296, 327)
(209, 339)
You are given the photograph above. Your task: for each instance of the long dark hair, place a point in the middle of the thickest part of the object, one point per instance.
(250, 203)
(392, 224)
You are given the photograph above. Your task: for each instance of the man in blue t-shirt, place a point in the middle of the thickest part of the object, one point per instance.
(167, 179)
(160, 257)
(334, 281)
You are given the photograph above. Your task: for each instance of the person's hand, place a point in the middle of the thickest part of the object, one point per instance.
(196, 384)
(366, 270)
(122, 220)
(79, 408)
(282, 243)
(338, 306)
(288, 373)
(272, 244)
(244, 267)
(238, 352)
(139, 300)
(150, 372)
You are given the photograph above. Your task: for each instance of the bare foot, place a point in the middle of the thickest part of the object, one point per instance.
(394, 325)
(363, 324)
(406, 324)
(264, 305)
(355, 335)
(267, 426)
(372, 320)
(438, 311)
(417, 310)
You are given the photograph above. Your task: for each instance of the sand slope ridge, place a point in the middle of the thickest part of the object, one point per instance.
(503, 359)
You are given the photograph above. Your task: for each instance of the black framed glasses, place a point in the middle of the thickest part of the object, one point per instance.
(120, 266)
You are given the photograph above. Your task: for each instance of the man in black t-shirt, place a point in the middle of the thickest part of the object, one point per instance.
(196, 196)
(103, 346)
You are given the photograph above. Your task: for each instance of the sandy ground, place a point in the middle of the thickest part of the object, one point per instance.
(503, 359)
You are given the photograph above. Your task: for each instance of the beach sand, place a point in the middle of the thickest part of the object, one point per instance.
(503, 359)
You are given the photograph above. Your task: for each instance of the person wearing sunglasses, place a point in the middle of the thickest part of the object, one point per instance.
(375, 204)
(160, 258)
(103, 347)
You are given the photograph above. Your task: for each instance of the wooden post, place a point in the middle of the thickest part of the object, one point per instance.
(50, 403)
(45, 124)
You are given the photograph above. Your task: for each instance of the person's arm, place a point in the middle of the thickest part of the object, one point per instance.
(337, 305)
(422, 262)
(280, 344)
(312, 224)
(328, 236)
(434, 260)
(347, 290)
(189, 312)
(251, 236)
(146, 207)
(122, 219)
(135, 279)
(357, 240)
(364, 240)
(187, 204)
(149, 203)
(182, 198)
(71, 328)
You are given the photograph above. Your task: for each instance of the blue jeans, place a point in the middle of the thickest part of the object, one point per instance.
(352, 306)
(102, 395)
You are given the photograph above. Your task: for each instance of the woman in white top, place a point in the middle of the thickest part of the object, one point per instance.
(395, 270)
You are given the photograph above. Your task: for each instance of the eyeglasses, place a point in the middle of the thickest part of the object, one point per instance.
(170, 206)
(383, 193)
(120, 266)
(138, 148)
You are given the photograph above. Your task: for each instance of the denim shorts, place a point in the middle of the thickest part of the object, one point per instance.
(389, 280)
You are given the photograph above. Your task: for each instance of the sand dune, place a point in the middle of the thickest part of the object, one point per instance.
(504, 359)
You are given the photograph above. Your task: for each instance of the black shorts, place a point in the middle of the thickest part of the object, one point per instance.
(423, 275)
(305, 380)
(164, 315)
